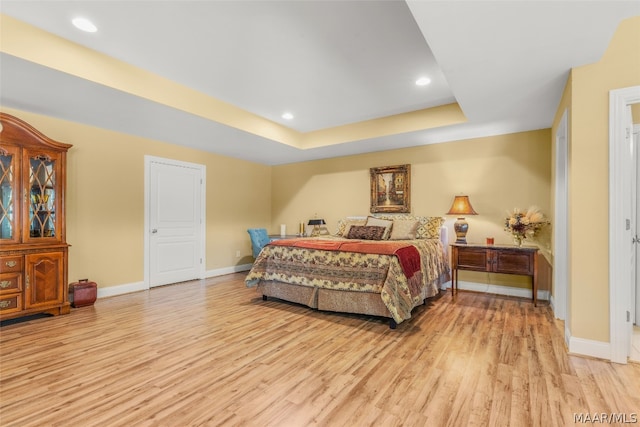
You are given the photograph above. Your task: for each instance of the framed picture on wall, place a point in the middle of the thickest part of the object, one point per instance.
(391, 189)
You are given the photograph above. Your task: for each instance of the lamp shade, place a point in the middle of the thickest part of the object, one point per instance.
(316, 222)
(461, 206)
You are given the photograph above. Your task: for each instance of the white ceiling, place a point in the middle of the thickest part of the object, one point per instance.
(328, 62)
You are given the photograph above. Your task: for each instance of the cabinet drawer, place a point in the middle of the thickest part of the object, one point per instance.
(513, 262)
(10, 283)
(10, 303)
(10, 264)
(472, 259)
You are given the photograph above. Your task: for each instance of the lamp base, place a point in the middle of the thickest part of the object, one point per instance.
(461, 227)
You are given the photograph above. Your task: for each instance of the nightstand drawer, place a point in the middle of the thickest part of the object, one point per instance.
(509, 262)
(473, 259)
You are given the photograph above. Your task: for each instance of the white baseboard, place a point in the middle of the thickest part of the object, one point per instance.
(584, 347)
(140, 286)
(121, 289)
(498, 290)
(228, 270)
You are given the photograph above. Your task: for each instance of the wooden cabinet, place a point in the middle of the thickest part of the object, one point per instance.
(496, 259)
(33, 247)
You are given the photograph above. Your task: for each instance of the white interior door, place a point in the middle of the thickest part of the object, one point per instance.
(635, 289)
(620, 201)
(175, 226)
(633, 166)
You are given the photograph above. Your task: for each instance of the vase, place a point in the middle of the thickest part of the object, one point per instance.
(517, 240)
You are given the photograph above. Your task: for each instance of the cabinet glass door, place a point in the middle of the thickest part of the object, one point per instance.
(42, 197)
(9, 210)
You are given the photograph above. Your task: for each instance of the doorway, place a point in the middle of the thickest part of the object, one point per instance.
(621, 235)
(174, 225)
(634, 353)
(561, 238)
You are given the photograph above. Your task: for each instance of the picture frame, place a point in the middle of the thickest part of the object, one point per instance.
(391, 189)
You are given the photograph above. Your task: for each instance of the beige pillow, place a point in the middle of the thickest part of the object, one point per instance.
(404, 229)
(377, 222)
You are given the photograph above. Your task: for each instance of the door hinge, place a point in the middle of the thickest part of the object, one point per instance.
(628, 132)
(628, 316)
(200, 260)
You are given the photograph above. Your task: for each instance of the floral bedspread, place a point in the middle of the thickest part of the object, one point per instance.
(354, 271)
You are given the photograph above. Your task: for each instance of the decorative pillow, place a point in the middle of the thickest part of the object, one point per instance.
(379, 222)
(404, 229)
(345, 224)
(366, 232)
(428, 226)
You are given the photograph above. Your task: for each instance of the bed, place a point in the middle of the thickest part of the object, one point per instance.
(380, 266)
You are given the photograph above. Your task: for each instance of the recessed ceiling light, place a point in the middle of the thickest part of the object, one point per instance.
(423, 81)
(84, 24)
(287, 116)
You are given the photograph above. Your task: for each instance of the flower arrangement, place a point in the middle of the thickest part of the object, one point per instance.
(524, 224)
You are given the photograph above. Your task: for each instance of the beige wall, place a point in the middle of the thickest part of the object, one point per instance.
(588, 90)
(105, 200)
(498, 173)
(635, 113)
(105, 197)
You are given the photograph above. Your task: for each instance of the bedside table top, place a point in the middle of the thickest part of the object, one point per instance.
(495, 246)
(280, 237)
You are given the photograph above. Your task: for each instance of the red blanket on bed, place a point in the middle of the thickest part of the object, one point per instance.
(407, 255)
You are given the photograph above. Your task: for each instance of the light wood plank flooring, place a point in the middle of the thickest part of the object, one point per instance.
(213, 353)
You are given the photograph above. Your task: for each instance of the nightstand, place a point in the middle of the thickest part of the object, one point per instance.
(273, 237)
(520, 260)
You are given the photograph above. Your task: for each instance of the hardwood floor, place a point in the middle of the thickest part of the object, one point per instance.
(212, 352)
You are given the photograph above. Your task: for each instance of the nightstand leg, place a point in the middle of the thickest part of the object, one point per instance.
(535, 280)
(454, 281)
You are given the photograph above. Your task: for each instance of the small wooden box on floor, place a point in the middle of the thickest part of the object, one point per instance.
(83, 293)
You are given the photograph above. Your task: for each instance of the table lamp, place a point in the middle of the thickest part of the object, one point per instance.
(461, 206)
(316, 222)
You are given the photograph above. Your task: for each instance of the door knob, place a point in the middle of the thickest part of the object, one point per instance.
(154, 231)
